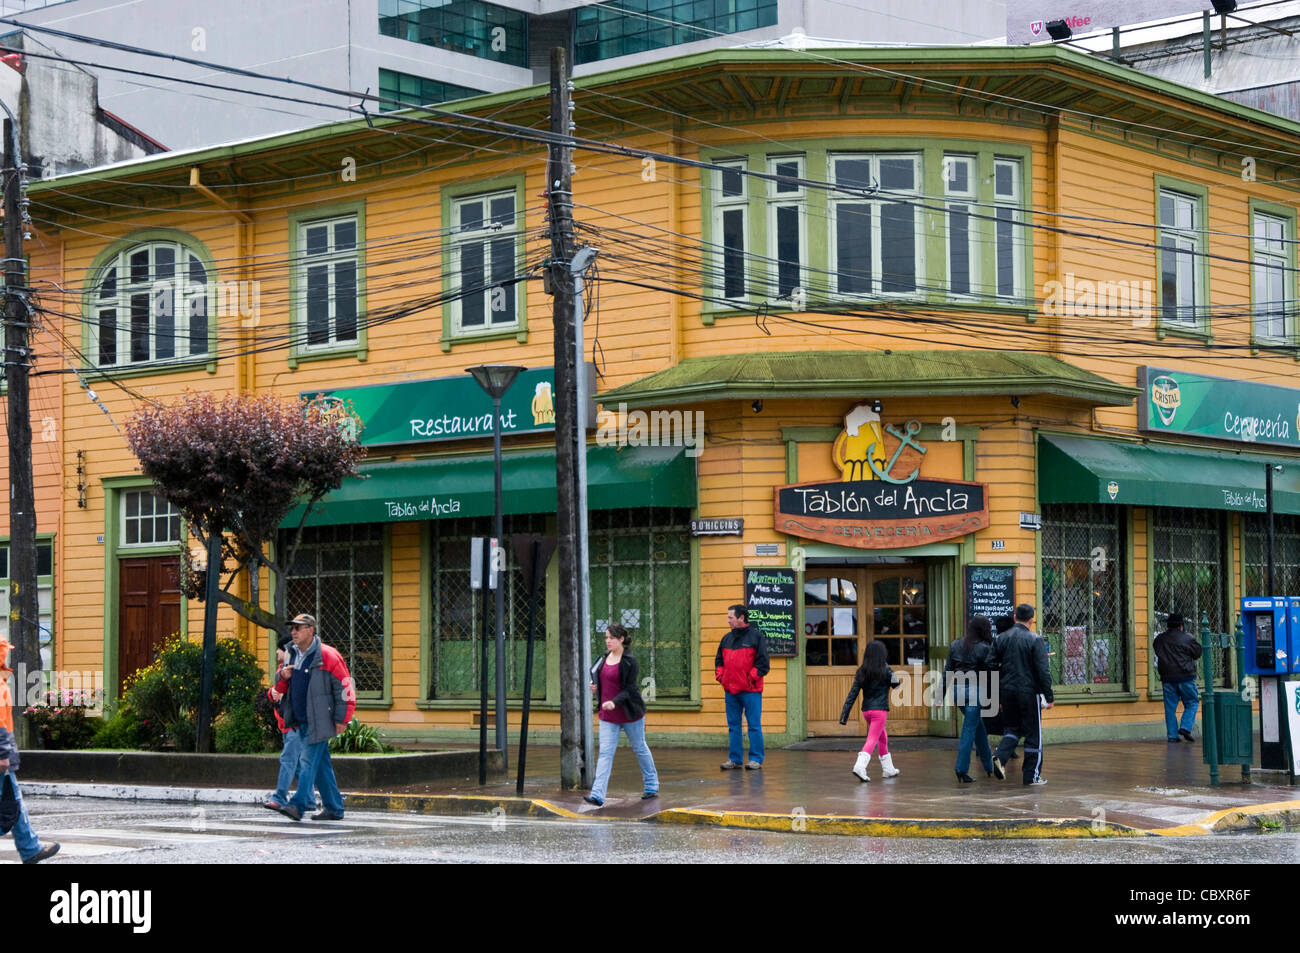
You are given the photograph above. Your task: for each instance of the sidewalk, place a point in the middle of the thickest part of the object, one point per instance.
(1094, 789)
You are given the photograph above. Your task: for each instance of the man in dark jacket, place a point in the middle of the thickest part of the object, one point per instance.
(1025, 683)
(25, 839)
(740, 665)
(1176, 655)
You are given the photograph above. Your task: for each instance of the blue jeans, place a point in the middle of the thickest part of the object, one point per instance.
(25, 839)
(289, 758)
(1186, 693)
(315, 771)
(973, 732)
(751, 703)
(609, 732)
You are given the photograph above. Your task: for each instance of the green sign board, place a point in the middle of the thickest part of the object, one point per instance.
(1239, 411)
(446, 408)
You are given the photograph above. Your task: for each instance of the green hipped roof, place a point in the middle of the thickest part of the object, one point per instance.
(868, 373)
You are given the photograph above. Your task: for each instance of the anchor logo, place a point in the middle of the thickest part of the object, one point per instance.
(911, 429)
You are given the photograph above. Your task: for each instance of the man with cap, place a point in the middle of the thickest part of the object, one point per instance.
(1176, 655)
(321, 703)
(13, 815)
(291, 738)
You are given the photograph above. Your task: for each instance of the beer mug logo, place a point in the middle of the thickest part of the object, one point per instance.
(1165, 397)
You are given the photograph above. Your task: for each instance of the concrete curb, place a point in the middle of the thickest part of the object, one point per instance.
(1038, 828)
(1284, 814)
(1278, 815)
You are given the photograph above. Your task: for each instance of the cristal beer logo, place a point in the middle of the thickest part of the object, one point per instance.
(1165, 396)
(1036, 27)
(1112, 488)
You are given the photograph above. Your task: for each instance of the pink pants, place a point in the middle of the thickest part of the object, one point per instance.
(876, 731)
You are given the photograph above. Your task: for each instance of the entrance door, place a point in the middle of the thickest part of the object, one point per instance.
(844, 609)
(149, 611)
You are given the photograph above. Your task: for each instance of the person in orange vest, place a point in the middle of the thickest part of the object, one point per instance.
(13, 816)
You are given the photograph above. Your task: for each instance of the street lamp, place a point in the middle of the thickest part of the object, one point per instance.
(495, 379)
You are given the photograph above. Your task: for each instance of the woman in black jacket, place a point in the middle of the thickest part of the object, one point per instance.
(614, 680)
(874, 679)
(968, 668)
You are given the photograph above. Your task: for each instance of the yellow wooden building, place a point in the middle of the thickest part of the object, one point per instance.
(908, 333)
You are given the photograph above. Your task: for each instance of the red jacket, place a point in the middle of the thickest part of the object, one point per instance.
(742, 660)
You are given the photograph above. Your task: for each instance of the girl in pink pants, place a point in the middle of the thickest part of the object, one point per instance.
(874, 679)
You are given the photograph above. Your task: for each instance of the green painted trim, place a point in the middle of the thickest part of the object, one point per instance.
(45, 580)
(932, 220)
(796, 671)
(865, 556)
(386, 700)
(1204, 329)
(113, 488)
(426, 614)
(1286, 344)
(147, 368)
(463, 190)
(1130, 600)
(1115, 731)
(695, 676)
(297, 299)
(807, 435)
(1153, 693)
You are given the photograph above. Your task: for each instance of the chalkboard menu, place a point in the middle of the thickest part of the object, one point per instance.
(990, 591)
(773, 602)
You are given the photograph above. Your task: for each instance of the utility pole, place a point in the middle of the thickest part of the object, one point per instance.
(23, 610)
(567, 435)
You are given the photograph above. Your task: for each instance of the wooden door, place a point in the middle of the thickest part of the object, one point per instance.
(149, 610)
(844, 609)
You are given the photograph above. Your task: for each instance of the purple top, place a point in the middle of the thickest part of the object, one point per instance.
(610, 686)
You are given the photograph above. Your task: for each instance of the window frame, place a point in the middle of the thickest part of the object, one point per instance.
(723, 206)
(44, 583)
(932, 277)
(835, 200)
(182, 537)
(1015, 204)
(1199, 195)
(777, 201)
(1286, 261)
(299, 221)
(969, 198)
(452, 334)
(116, 254)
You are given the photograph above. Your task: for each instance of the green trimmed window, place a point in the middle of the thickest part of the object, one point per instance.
(1286, 555)
(337, 575)
(1182, 252)
(327, 266)
(417, 91)
(731, 226)
(471, 27)
(962, 240)
(486, 263)
(1188, 555)
(877, 245)
(148, 520)
(149, 305)
(640, 562)
(623, 27)
(44, 598)
(1008, 228)
(457, 619)
(1083, 572)
(1272, 302)
(787, 248)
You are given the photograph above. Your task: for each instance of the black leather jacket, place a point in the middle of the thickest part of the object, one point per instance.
(1176, 655)
(1021, 659)
(629, 694)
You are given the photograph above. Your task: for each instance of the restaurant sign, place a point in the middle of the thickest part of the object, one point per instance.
(446, 408)
(873, 514)
(1201, 406)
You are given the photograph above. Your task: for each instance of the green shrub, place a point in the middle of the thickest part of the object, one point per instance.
(356, 738)
(165, 695)
(121, 731)
(241, 731)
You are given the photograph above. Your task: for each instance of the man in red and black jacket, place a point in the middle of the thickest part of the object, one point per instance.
(740, 666)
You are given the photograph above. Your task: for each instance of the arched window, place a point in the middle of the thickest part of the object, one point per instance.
(150, 303)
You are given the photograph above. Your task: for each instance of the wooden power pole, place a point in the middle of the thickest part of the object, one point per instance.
(23, 607)
(560, 199)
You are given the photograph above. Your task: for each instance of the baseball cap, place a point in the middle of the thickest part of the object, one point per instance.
(303, 618)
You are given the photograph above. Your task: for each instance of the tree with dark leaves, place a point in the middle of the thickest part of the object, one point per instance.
(236, 465)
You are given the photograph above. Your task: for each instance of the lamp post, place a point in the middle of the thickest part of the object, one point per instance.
(495, 379)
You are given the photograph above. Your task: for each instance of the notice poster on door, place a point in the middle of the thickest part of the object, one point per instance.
(770, 595)
(1074, 669)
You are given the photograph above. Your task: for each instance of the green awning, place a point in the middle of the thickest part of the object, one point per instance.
(1085, 470)
(808, 374)
(617, 478)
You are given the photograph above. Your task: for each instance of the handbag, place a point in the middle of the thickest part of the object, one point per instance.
(10, 806)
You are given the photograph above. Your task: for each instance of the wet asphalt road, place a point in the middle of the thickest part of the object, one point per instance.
(94, 831)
